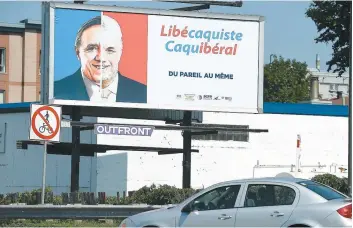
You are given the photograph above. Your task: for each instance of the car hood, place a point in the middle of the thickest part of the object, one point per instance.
(164, 216)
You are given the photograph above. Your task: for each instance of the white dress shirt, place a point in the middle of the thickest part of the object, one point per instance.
(97, 94)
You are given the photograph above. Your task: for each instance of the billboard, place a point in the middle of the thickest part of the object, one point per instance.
(108, 56)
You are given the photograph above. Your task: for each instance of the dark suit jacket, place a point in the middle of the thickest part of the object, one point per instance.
(73, 88)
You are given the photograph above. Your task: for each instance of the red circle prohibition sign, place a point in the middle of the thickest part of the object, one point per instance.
(36, 113)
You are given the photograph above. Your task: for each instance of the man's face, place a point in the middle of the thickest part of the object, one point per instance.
(100, 52)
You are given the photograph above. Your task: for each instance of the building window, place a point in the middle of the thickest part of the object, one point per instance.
(2, 60)
(334, 87)
(2, 96)
(225, 135)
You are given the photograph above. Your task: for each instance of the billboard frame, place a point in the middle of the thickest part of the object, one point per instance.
(47, 67)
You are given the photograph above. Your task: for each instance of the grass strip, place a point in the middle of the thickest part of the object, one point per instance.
(58, 223)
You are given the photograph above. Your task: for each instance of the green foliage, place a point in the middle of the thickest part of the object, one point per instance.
(56, 223)
(28, 197)
(286, 81)
(57, 200)
(161, 195)
(332, 19)
(340, 184)
(153, 195)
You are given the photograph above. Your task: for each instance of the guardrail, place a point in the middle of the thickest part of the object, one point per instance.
(76, 211)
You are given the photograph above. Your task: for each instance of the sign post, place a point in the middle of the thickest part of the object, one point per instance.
(45, 126)
(44, 171)
(297, 157)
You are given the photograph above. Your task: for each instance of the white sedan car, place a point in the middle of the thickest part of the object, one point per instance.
(261, 202)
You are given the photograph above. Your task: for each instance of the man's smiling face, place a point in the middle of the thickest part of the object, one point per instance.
(100, 52)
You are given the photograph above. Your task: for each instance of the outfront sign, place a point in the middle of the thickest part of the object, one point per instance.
(153, 59)
(123, 130)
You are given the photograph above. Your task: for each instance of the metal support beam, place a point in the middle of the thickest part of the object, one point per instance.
(187, 151)
(63, 148)
(170, 121)
(75, 156)
(88, 128)
(229, 3)
(193, 8)
(204, 133)
(193, 126)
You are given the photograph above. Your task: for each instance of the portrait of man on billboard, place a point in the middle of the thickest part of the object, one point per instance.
(99, 47)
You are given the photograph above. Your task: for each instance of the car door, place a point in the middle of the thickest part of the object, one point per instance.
(214, 208)
(266, 204)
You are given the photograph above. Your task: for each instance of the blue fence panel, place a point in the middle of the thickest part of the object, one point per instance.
(305, 109)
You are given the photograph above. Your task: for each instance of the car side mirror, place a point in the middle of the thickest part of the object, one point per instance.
(187, 208)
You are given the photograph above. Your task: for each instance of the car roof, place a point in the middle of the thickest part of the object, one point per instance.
(265, 179)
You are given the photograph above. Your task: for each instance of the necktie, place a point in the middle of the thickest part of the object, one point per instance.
(106, 93)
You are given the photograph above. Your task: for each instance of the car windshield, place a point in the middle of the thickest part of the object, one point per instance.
(322, 190)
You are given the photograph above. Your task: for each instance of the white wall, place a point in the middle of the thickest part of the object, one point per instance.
(112, 172)
(21, 170)
(324, 140)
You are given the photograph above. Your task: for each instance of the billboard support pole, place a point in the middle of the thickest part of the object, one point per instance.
(187, 150)
(75, 156)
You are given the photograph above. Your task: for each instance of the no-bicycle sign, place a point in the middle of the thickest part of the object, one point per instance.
(45, 123)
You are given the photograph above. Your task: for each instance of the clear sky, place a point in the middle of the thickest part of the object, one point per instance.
(287, 31)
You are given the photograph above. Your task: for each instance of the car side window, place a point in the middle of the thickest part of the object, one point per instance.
(284, 195)
(261, 195)
(219, 198)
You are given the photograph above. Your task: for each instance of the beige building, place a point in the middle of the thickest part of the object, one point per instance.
(20, 61)
(332, 88)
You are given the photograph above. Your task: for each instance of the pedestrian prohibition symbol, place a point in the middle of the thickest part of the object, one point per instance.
(45, 123)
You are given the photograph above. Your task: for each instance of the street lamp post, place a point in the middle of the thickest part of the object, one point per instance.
(272, 55)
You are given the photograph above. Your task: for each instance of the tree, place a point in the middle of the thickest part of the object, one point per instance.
(333, 22)
(340, 184)
(286, 81)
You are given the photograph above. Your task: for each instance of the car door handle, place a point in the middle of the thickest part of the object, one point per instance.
(277, 214)
(224, 217)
